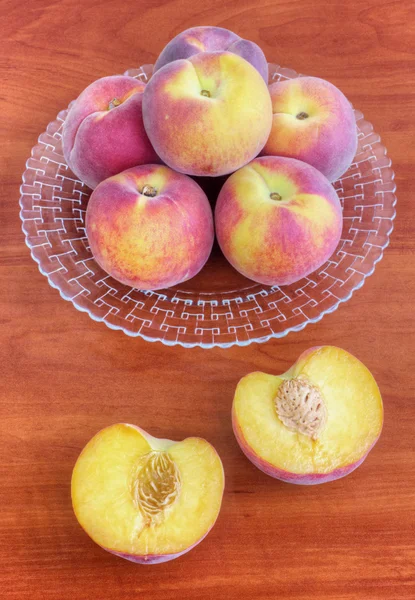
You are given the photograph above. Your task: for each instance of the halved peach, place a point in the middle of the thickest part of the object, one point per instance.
(315, 423)
(145, 499)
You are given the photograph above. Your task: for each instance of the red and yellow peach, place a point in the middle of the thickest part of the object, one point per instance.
(313, 121)
(104, 133)
(209, 114)
(315, 423)
(145, 499)
(150, 227)
(277, 220)
(212, 39)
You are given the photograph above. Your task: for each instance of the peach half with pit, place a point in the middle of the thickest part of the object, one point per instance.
(207, 115)
(212, 39)
(104, 133)
(315, 423)
(145, 499)
(277, 220)
(314, 122)
(150, 227)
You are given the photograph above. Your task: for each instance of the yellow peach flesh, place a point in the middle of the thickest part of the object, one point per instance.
(106, 507)
(354, 414)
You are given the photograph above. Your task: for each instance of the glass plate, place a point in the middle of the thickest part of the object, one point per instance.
(218, 307)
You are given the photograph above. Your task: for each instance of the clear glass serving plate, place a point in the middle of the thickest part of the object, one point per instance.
(218, 307)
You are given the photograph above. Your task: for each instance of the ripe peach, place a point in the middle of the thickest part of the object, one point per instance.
(104, 133)
(212, 39)
(145, 499)
(207, 115)
(277, 220)
(314, 122)
(315, 423)
(150, 227)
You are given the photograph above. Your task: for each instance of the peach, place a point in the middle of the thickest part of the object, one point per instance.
(212, 39)
(207, 115)
(150, 227)
(314, 122)
(104, 133)
(277, 220)
(145, 499)
(315, 423)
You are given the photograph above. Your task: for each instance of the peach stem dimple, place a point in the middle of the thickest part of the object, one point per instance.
(301, 116)
(114, 102)
(275, 196)
(205, 93)
(149, 190)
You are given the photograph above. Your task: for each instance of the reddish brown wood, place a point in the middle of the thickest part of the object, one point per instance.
(63, 376)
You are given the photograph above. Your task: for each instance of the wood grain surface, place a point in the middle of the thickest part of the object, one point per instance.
(63, 376)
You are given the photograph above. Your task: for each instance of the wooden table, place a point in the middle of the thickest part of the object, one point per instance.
(63, 376)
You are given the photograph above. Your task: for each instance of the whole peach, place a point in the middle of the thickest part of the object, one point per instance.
(314, 122)
(212, 39)
(150, 227)
(277, 220)
(207, 115)
(104, 133)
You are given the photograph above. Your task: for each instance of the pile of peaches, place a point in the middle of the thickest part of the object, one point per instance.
(208, 111)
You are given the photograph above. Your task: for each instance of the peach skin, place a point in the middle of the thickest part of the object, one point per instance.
(104, 133)
(207, 115)
(314, 122)
(145, 499)
(277, 220)
(212, 39)
(315, 423)
(150, 227)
